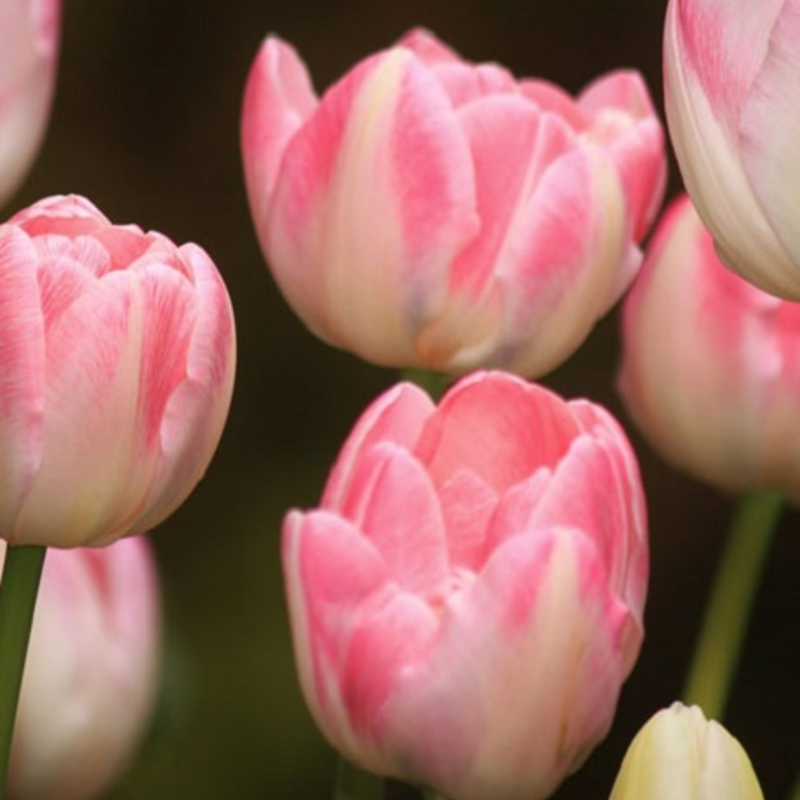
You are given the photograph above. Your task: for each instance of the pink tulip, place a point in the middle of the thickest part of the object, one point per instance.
(116, 371)
(732, 89)
(711, 365)
(91, 676)
(467, 600)
(29, 33)
(433, 213)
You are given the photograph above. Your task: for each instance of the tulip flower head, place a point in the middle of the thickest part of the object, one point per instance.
(732, 93)
(711, 365)
(90, 680)
(467, 600)
(428, 212)
(29, 33)
(117, 353)
(680, 755)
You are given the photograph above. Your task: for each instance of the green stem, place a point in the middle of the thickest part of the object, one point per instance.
(18, 588)
(725, 623)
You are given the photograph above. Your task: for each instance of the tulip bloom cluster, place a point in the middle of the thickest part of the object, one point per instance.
(432, 213)
(711, 365)
(732, 90)
(116, 372)
(91, 675)
(29, 33)
(467, 600)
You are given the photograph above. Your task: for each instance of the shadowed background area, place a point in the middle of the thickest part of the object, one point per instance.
(145, 124)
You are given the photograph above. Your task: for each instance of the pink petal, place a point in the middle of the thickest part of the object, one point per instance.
(392, 501)
(189, 398)
(535, 632)
(397, 416)
(723, 43)
(625, 121)
(353, 633)
(428, 48)
(599, 509)
(22, 373)
(380, 174)
(554, 100)
(278, 99)
(91, 401)
(498, 426)
(466, 83)
(770, 129)
(511, 148)
(467, 505)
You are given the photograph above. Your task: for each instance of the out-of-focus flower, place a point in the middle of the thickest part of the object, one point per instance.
(432, 213)
(91, 675)
(711, 365)
(732, 92)
(680, 755)
(467, 600)
(29, 33)
(117, 353)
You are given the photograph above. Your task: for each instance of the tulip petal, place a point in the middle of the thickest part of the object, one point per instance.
(770, 130)
(278, 100)
(397, 416)
(428, 48)
(624, 120)
(526, 635)
(22, 372)
(703, 43)
(374, 198)
(192, 396)
(467, 505)
(514, 428)
(92, 373)
(353, 632)
(392, 501)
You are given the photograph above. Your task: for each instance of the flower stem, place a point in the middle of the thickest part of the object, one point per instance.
(18, 588)
(725, 623)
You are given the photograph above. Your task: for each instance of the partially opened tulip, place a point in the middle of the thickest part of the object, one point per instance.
(680, 755)
(117, 354)
(428, 212)
(732, 93)
(29, 34)
(711, 365)
(467, 600)
(91, 676)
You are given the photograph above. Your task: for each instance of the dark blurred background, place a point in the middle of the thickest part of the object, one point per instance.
(145, 124)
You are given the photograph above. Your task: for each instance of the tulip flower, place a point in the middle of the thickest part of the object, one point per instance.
(467, 600)
(427, 212)
(711, 365)
(117, 360)
(91, 675)
(29, 33)
(732, 92)
(680, 755)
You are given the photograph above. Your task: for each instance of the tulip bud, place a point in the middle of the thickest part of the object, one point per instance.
(117, 351)
(428, 212)
(90, 679)
(29, 33)
(468, 598)
(710, 368)
(680, 755)
(732, 90)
